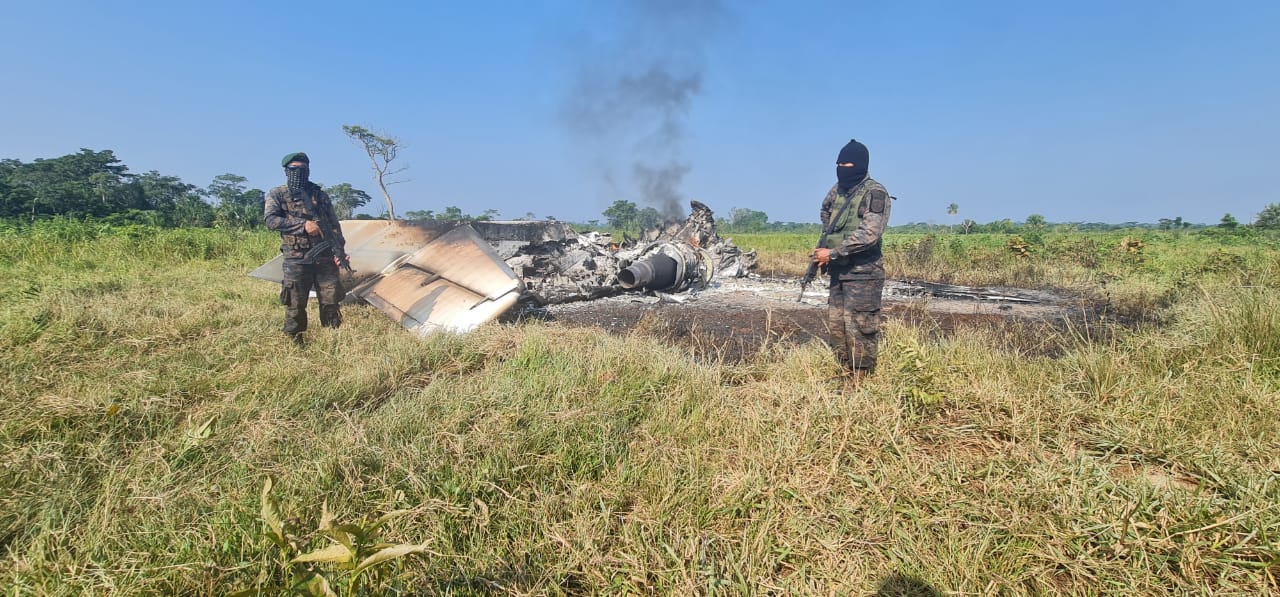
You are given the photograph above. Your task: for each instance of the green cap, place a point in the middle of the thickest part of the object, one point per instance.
(297, 156)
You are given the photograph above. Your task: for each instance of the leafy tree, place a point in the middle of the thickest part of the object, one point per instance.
(8, 206)
(648, 218)
(748, 220)
(346, 199)
(162, 192)
(1036, 222)
(452, 213)
(104, 183)
(96, 183)
(85, 183)
(953, 209)
(1005, 226)
(227, 188)
(622, 214)
(178, 203)
(1268, 218)
(1228, 222)
(420, 215)
(192, 211)
(237, 207)
(382, 151)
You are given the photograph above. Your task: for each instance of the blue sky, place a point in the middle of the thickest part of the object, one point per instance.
(1084, 111)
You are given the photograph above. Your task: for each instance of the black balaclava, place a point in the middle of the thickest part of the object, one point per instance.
(297, 177)
(855, 153)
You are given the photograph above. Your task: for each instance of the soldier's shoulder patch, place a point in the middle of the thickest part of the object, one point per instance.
(876, 201)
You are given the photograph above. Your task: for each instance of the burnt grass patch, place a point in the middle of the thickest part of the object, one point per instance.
(732, 331)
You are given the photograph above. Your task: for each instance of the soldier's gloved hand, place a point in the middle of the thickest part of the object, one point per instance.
(822, 256)
(312, 228)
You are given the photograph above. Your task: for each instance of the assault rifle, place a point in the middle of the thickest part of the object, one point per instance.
(812, 272)
(329, 240)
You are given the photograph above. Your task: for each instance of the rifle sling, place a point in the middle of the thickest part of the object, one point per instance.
(822, 242)
(308, 203)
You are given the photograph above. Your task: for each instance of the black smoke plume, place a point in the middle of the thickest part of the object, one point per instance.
(630, 100)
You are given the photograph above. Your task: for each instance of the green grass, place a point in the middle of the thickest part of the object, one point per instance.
(146, 394)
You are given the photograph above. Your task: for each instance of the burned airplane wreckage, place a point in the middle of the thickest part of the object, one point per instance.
(446, 276)
(673, 258)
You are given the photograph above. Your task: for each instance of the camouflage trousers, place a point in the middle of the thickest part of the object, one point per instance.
(853, 319)
(299, 279)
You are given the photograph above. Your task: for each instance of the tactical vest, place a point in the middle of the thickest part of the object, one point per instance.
(294, 207)
(849, 221)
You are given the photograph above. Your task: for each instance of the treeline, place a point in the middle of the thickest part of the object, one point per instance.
(453, 213)
(1268, 219)
(96, 184)
(625, 215)
(752, 221)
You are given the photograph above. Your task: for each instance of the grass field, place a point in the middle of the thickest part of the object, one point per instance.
(148, 396)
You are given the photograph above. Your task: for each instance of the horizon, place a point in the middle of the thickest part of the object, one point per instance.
(1087, 113)
(371, 211)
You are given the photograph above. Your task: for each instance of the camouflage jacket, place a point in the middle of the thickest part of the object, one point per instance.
(287, 214)
(856, 239)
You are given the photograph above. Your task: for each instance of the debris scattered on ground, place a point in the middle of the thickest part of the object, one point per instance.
(431, 276)
(671, 259)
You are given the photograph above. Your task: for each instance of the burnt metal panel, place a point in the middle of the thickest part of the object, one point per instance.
(371, 245)
(454, 283)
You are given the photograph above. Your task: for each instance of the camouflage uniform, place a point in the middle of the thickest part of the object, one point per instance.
(857, 272)
(286, 213)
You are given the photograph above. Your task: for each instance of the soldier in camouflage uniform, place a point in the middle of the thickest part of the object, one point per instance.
(860, 208)
(304, 266)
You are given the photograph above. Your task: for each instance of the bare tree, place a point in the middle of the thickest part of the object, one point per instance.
(382, 151)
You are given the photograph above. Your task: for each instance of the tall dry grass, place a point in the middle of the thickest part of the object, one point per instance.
(147, 394)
